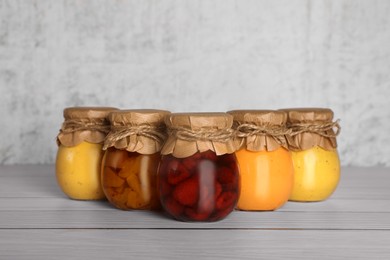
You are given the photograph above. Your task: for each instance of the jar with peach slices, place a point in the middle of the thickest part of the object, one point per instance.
(131, 159)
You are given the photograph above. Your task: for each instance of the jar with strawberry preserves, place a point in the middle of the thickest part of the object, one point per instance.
(313, 146)
(265, 163)
(131, 159)
(198, 177)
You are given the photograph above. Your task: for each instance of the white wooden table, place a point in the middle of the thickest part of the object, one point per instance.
(38, 222)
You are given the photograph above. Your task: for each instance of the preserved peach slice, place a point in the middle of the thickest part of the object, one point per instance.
(133, 183)
(111, 179)
(130, 167)
(135, 201)
(115, 158)
(120, 189)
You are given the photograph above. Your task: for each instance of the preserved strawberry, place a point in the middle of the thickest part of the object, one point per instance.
(187, 192)
(202, 187)
(177, 172)
(198, 177)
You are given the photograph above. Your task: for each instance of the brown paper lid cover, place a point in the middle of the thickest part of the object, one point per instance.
(198, 132)
(311, 127)
(138, 130)
(260, 130)
(308, 115)
(88, 124)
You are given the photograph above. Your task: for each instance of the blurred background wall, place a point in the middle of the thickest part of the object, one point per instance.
(195, 55)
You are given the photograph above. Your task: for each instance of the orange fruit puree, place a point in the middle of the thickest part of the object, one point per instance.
(266, 179)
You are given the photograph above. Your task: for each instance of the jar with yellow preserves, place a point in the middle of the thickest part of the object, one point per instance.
(131, 159)
(265, 163)
(80, 153)
(314, 152)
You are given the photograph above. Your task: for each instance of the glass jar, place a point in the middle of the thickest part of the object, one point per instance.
(80, 152)
(314, 153)
(131, 159)
(198, 178)
(265, 163)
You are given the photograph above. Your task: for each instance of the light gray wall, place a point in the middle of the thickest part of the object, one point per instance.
(194, 56)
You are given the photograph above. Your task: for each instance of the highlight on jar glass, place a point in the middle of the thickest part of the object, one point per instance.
(79, 155)
(131, 159)
(198, 178)
(266, 166)
(314, 151)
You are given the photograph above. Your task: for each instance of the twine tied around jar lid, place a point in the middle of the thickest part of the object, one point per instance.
(323, 129)
(117, 133)
(259, 130)
(142, 131)
(245, 130)
(84, 124)
(276, 132)
(213, 135)
(312, 127)
(190, 133)
(97, 124)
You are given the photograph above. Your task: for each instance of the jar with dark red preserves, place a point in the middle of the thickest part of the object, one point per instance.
(198, 177)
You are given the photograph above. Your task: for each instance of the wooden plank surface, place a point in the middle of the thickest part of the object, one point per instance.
(36, 217)
(193, 244)
(238, 220)
(61, 203)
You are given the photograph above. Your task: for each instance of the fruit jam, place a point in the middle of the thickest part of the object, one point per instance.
(202, 187)
(129, 179)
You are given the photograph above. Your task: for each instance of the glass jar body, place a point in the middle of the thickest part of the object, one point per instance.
(78, 171)
(266, 179)
(202, 187)
(317, 174)
(129, 179)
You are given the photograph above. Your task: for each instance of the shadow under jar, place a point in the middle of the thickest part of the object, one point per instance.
(80, 153)
(198, 177)
(130, 163)
(314, 152)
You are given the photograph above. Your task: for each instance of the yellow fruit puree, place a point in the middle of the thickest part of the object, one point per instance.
(317, 173)
(78, 171)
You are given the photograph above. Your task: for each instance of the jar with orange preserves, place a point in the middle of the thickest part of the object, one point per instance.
(131, 159)
(265, 163)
